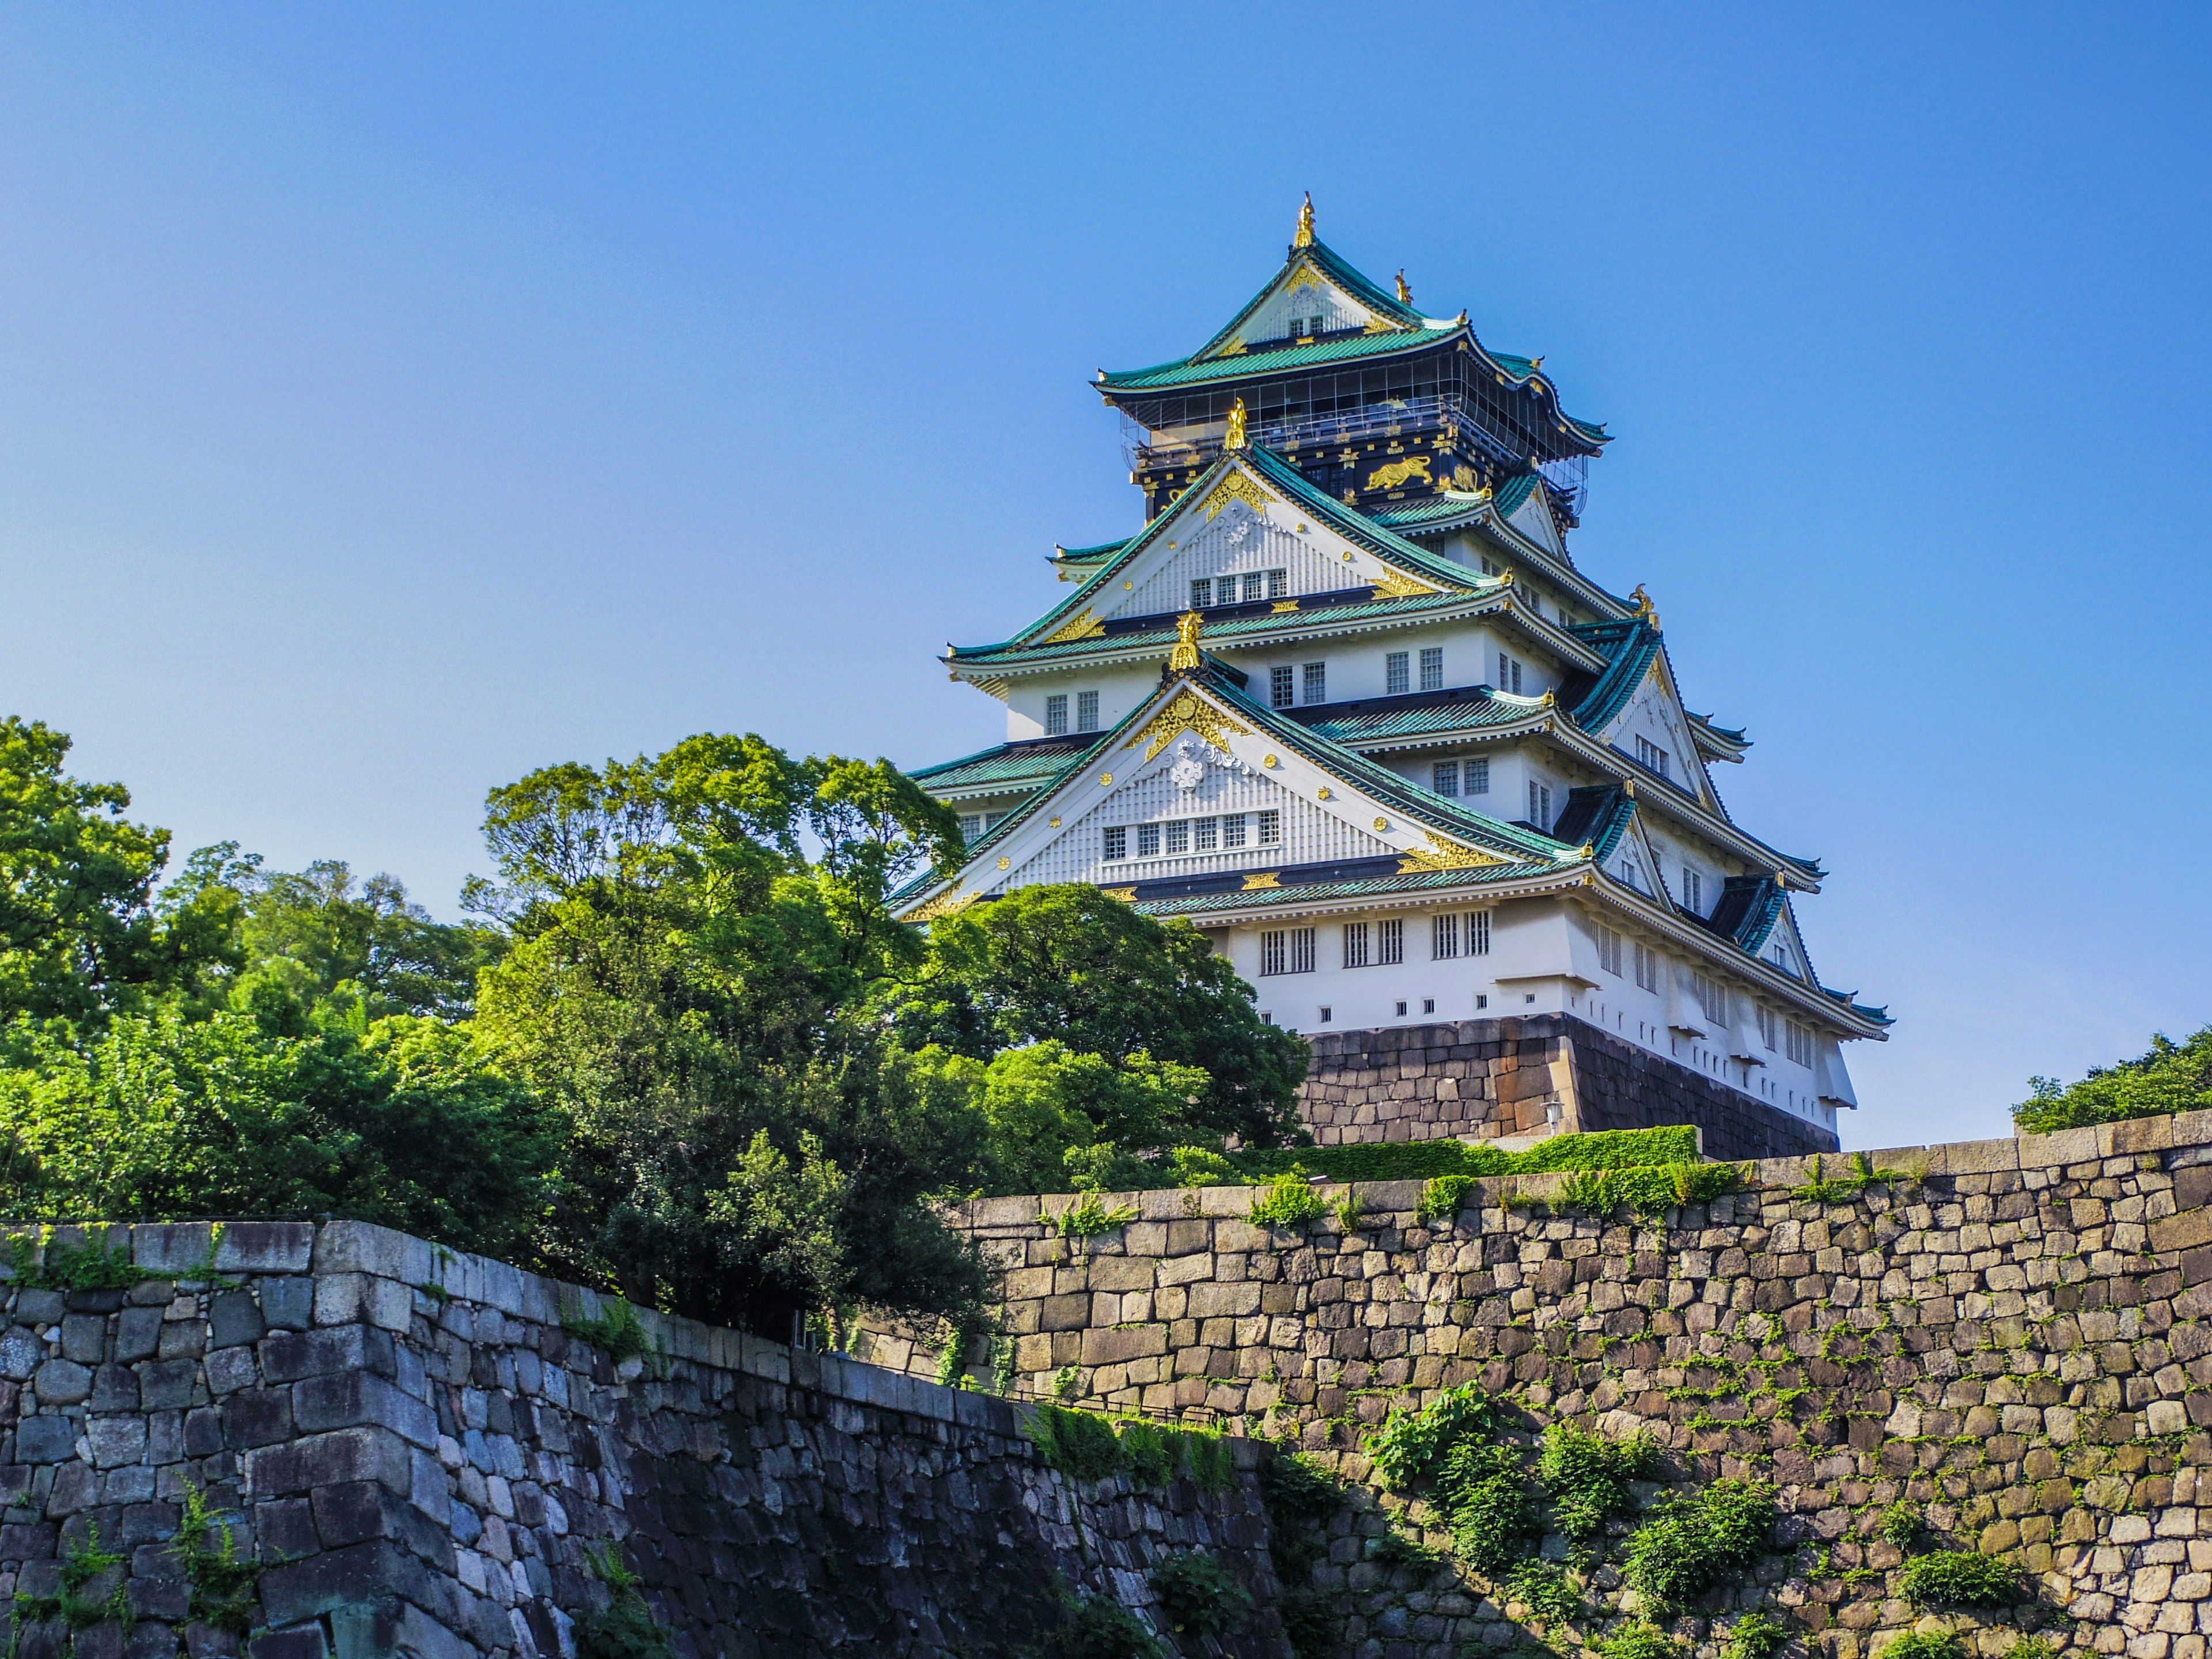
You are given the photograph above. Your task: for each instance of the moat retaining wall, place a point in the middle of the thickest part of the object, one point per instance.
(423, 1455)
(1545, 1072)
(2017, 1333)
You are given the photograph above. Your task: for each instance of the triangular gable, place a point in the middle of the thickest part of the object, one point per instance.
(1246, 514)
(1782, 944)
(1533, 518)
(1201, 751)
(1654, 712)
(1319, 293)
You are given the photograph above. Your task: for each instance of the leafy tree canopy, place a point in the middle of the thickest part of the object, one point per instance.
(1070, 965)
(2173, 1077)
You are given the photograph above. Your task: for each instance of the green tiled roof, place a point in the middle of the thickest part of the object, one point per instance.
(1079, 555)
(1012, 765)
(1420, 881)
(1197, 370)
(1399, 717)
(1632, 645)
(1447, 506)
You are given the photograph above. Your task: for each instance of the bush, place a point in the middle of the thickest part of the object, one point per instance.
(1485, 1491)
(1902, 1523)
(1639, 1641)
(1410, 1442)
(1589, 1477)
(1551, 1598)
(1081, 1445)
(1961, 1578)
(2172, 1078)
(1698, 1542)
(1755, 1636)
(1199, 1597)
(1925, 1644)
(1099, 1627)
(1201, 1166)
(1287, 1201)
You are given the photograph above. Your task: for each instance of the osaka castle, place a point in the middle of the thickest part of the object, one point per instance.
(1347, 704)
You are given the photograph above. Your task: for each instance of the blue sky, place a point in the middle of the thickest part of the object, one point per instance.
(393, 400)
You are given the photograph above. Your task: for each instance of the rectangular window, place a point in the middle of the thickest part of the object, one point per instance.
(971, 825)
(1539, 804)
(1148, 841)
(1712, 997)
(1768, 1019)
(1272, 956)
(1201, 834)
(1608, 950)
(1280, 680)
(1328, 1014)
(1443, 777)
(1799, 1039)
(1117, 840)
(1693, 890)
(1432, 668)
(1647, 967)
(1279, 584)
(1086, 711)
(1355, 944)
(1178, 835)
(1271, 829)
(1302, 949)
(1232, 830)
(1397, 674)
(1254, 582)
(1315, 687)
(1651, 756)
(1476, 777)
(1478, 933)
(1445, 940)
(1390, 944)
(1509, 673)
(1055, 716)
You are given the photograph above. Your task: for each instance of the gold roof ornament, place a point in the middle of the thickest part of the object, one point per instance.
(1644, 608)
(1404, 294)
(1235, 438)
(1305, 236)
(1185, 654)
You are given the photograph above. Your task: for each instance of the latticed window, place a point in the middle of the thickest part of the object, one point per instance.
(1178, 835)
(1201, 593)
(1712, 997)
(1475, 776)
(1647, 967)
(1117, 840)
(1148, 841)
(1086, 711)
(1509, 674)
(1539, 804)
(1273, 952)
(1279, 584)
(1390, 944)
(1280, 681)
(1798, 1042)
(1355, 944)
(1397, 675)
(1271, 829)
(1302, 949)
(1608, 953)
(1445, 940)
(1232, 830)
(1055, 716)
(1443, 777)
(1316, 682)
(1478, 933)
(1432, 668)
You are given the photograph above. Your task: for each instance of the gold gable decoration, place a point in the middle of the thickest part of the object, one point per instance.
(1188, 712)
(1185, 654)
(1238, 486)
(1081, 626)
(1442, 854)
(1391, 584)
(949, 903)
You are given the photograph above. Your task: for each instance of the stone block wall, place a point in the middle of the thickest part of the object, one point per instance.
(2017, 1333)
(422, 1454)
(1490, 1078)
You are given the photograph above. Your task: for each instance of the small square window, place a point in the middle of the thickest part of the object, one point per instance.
(1397, 677)
(1117, 840)
(1327, 1013)
(1271, 828)
(1443, 777)
(1480, 1000)
(1428, 1004)
(1148, 841)
(1232, 830)
(1179, 835)
(1086, 711)
(1055, 716)
(1432, 668)
(1315, 687)
(1279, 584)
(1402, 1011)
(1201, 834)
(1201, 593)
(1475, 776)
(1280, 680)
(1254, 582)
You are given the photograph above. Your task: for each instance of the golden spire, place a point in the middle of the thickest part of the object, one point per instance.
(1235, 438)
(1305, 235)
(1404, 294)
(1185, 654)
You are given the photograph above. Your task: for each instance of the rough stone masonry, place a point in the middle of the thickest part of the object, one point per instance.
(2017, 1333)
(421, 1454)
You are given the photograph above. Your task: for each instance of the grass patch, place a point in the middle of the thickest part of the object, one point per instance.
(1088, 1219)
(1287, 1201)
(619, 1330)
(1088, 1446)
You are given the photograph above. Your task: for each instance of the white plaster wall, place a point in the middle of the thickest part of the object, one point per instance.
(1120, 691)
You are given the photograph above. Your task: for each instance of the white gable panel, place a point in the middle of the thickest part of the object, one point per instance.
(1532, 519)
(1655, 715)
(1785, 946)
(1290, 311)
(1191, 778)
(1238, 540)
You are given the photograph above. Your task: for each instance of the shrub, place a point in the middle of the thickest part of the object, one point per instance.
(1444, 1197)
(1199, 1597)
(1902, 1523)
(2171, 1078)
(1961, 1578)
(1087, 1219)
(1552, 1597)
(1410, 1442)
(1103, 1167)
(1099, 1627)
(1699, 1542)
(1925, 1644)
(1589, 1477)
(1081, 1445)
(1300, 1499)
(1394, 1550)
(1485, 1491)
(1755, 1636)
(1288, 1200)
(1201, 1166)
(1639, 1641)
(624, 1628)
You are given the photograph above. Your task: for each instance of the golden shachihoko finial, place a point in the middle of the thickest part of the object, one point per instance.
(1404, 294)
(1185, 654)
(1644, 608)
(1234, 439)
(1305, 224)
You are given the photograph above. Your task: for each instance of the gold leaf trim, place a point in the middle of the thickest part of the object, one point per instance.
(1396, 585)
(1187, 713)
(949, 903)
(1255, 884)
(1442, 854)
(1237, 486)
(1124, 894)
(1082, 626)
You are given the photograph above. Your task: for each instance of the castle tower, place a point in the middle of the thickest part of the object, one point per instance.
(1347, 705)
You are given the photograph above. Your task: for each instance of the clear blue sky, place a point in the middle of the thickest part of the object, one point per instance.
(395, 398)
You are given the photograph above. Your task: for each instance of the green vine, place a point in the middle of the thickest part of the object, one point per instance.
(224, 1585)
(624, 1628)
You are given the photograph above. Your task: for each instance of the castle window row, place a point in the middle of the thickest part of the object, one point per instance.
(1397, 670)
(1253, 586)
(1055, 713)
(1452, 934)
(1222, 833)
(1460, 777)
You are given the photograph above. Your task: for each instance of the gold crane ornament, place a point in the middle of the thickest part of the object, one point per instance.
(1305, 236)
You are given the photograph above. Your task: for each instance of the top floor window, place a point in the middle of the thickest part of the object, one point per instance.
(1279, 584)
(1086, 711)
(1652, 757)
(1316, 683)
(1509, 673)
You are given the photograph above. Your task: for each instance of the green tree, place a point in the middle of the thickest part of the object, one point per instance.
(1069, 964)
(1045, 1101)
(80, 936)
(164, 1117)
(682, 982)
(2173, 1077)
